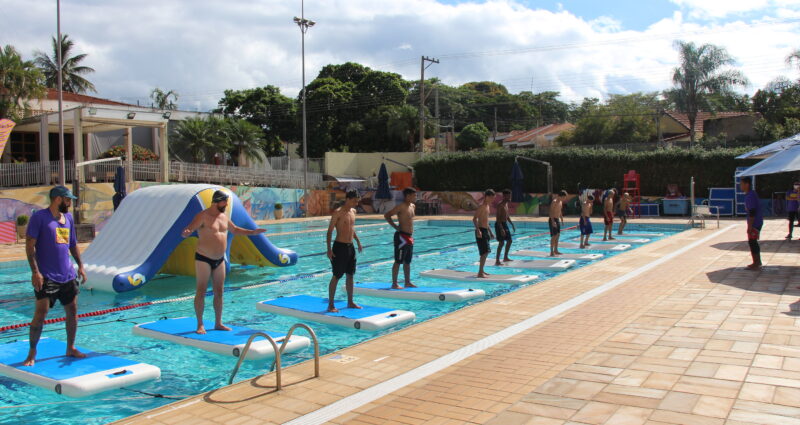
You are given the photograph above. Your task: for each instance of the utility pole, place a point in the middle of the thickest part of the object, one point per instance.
(422, 68)
(436, 110)
(304, 25)
(494, 135)
(658, 128)
(62, 172)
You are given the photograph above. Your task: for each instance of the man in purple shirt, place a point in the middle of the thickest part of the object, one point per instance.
(50, 240)
(792, 205)
(755, 220)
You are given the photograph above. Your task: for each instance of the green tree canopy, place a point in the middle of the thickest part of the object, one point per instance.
(244, 138)
(621, 119)
(72, 72)
(268, 109)
(473, 136)
(20, 81)
(164, 100)
(201, 138)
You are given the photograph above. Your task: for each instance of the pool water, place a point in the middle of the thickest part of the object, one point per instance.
(187, 371)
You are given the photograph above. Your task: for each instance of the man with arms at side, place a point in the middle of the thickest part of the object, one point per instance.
(50, 239)
(755, 220)
(792, 205)
(483, 235)
(585, 222)
(403, 236)
(501, 227)
(342, 254)
(212, 226)
(608, 214)
(556, 220)
(622, 211)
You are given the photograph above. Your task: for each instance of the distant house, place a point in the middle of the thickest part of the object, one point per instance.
(735, 125)
(540, 137)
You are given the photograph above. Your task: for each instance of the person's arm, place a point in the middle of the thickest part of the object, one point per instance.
(331, 225)
(236, 230)
(514, 226)
(358, 241)
(389, 216)
(76, 254)
(475, 223)
(30, 251)
(194, 225)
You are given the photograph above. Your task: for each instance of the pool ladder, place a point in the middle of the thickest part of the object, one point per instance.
(276, 364)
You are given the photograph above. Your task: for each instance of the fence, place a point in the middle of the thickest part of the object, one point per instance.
(43, 174)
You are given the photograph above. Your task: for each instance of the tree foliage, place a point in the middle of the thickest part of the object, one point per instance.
(473, 136)
(72, 72)
(266, 108)
(20, 81)
(164, 100)
(621, 119)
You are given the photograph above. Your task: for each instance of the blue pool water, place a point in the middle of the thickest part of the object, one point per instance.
(187, 371)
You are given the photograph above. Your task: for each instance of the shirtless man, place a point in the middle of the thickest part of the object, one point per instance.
(342, 254)
(556, 220)
(585, 222)
(483, 235)
(212, 226)
(501, 227)
(608, 215)
(622, 211)
(403, 239)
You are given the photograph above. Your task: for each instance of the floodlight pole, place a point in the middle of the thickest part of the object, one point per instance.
(304, 25)
(62, 173)
(549, 170)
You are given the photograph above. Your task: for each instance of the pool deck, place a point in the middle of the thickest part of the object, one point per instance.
(674, 332)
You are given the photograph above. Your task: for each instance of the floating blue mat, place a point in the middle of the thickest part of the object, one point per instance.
(315, 308)
(71, 376)
(183, 331)
(424, 293)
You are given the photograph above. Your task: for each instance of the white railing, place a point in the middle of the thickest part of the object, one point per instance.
(44, 174)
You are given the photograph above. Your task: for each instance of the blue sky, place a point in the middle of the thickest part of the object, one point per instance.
(580, 48)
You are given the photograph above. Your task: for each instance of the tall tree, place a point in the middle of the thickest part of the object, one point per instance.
(20, 81)
(201, 138)
(702, 73)
(72, 76)
(164, 100)
(267, 108)
(245, 139)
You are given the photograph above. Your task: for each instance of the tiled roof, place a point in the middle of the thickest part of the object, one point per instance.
(529, 135)
(52, 94)
(702, 116)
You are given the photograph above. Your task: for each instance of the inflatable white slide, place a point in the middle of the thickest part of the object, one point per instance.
(143, 238)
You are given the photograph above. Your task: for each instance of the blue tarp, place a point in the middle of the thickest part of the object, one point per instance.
(383, 184)
(119, 187)
(785, 161)
(772, 148)
(517, 184)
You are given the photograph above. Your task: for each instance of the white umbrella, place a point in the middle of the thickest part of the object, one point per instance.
(772, 148)
(784, 161)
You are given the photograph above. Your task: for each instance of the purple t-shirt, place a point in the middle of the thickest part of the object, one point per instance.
(753, 207)
(53, 241)
(792, 198)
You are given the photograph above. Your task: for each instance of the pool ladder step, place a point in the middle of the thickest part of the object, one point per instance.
(276, 364)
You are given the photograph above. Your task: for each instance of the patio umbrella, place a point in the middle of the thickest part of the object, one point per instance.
(772, 148)
(119, 187)
(383, 184)
(517, 181)
(782, 162)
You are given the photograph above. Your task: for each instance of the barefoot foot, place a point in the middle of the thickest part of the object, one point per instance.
(410, 285)
(221, 327)
(201, 330)
(332, 309)
(353, 305)
(73, 352)
(30, 360)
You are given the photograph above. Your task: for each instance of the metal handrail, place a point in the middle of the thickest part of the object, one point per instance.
(243, 354)
(313, 338)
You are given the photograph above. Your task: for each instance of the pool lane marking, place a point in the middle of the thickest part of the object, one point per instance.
(368, 395)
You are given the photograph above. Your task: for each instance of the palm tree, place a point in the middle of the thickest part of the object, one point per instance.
(201, 137)
(245, 137)
(161, 99)
(701, 75)
(20, 81)
(72, 72)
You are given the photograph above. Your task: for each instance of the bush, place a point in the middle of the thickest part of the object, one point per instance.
(472, 136)
(475, 171)
(278, 206)
(22, 220)
(139, 153)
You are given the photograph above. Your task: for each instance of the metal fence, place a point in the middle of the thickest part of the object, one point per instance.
(43, 174)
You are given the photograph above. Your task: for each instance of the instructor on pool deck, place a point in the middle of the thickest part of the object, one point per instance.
(50, 240)
(754, 221)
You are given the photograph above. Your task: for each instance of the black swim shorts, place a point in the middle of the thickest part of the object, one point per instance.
(63, 292)
(555, 226)
(483, 242)
(344, 259)
(403, 247)
(501, 231)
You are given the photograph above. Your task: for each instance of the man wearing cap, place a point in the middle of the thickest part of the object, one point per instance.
(212, 225)
(50, 241)
(792, 205)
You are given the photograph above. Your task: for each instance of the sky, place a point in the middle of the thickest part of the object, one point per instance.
(580, 48)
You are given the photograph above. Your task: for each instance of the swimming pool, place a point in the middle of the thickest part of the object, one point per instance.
(188, 371)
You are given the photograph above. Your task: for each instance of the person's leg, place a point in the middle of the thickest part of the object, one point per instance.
(203, 271)
(349, 286)
(792, 216)
(407, 275)
(218, 277)
(755, 253)
(557, 237)
(71, 324)
(35, 332)
(552, 245)
(623, 220)
(332, 293)
(508, 248)
(395, 272)
(500, 244)
(482, 273)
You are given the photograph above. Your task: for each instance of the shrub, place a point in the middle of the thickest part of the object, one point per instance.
(473, 136)
(278, 206)
(478, 170)
(139, 153)
(22, 220)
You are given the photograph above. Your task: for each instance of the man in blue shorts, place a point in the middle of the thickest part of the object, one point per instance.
(50, 241)
(585, 222)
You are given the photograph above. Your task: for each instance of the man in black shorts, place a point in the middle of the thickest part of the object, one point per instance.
(403, 236)
(483, 235)
(50, 239)
(501, 228)
(342, 254)
(556, 220)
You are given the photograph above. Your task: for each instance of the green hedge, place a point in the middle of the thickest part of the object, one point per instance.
(479, 170)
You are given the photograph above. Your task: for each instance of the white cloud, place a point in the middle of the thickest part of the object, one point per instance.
(721, 8)
(200, 48)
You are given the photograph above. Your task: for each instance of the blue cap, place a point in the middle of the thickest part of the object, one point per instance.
(62, 192)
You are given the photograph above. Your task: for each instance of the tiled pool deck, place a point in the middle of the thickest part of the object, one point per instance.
(681, 335)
